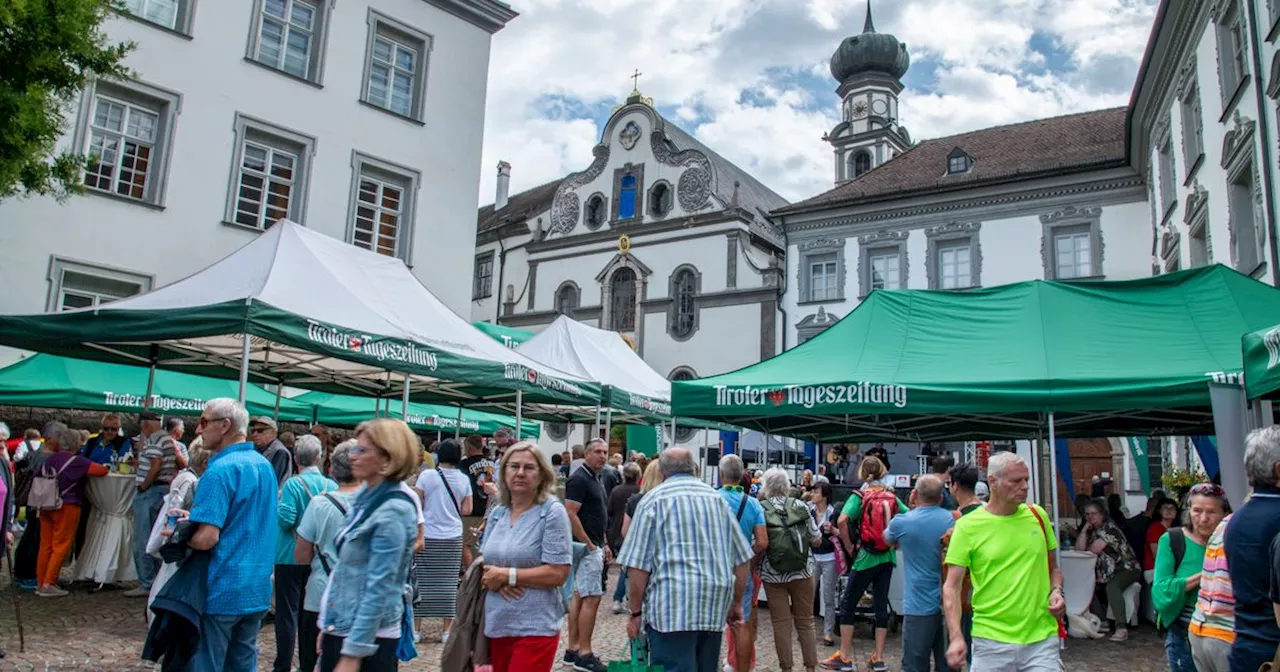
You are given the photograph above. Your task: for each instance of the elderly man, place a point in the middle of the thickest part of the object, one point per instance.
(235, 506)
(291, 576)
(1007, 547)
(918, 534)
(749, 514)
(175, 428)
(262, 431)
(1247, 543)
(110, 443)
(157, 465)
(686, 561)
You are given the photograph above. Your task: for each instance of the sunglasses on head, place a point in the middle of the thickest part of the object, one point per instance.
(1207, 489)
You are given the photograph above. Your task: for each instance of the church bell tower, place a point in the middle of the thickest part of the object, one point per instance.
(869, 67)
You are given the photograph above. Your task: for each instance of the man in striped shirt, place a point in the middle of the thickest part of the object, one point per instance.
(686, 563)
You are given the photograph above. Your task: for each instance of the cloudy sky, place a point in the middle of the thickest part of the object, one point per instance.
(750, 78)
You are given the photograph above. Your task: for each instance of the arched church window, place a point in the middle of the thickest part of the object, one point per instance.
(567, 300)
(861, 163)
(683, 433)
(622, 300)
(596, 212)
(627, 197)
(684, 291)
(660, 200)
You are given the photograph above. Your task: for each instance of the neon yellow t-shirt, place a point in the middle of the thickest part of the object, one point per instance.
(1006, 556)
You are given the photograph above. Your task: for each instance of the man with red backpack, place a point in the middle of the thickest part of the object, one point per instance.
(863, 523)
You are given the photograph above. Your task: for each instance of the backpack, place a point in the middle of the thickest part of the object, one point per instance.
(878, 508)
(788, 536)
(45, 495)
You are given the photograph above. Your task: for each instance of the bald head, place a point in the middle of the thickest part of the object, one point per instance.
(674, 461)
(929, 490)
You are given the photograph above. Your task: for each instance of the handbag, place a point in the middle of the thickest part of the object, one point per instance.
(1274, 665)
(639, 658)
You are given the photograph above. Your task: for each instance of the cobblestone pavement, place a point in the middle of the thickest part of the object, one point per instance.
(104, 631)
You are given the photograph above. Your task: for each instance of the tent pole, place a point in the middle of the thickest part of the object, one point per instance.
(275, 414)
(1053, 465)
(151, 381)
(457, 429)
(404, 400)
(1036, 479)
(244, 368)
(596, 430)
(673, 430)
(519, 411)
(608, 428)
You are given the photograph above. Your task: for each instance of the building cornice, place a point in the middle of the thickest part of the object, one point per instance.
(641, 228)
(489, 15)
(843, 220)
(1162, 73)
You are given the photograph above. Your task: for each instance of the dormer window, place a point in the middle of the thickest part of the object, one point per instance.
(660, 200)
(597, 211)
(958, 162)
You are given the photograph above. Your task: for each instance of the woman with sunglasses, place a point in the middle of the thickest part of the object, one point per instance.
(1176, 583)
(1117, 567)
(363, 609)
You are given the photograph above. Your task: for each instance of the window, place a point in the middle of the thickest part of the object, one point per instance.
(1198, 249)
(382, 204)
(823, 277)
(627, 197)
(1192, 128)
(660, 200)
(75, 285)
(396, 66)
(886, 270)
(861, 163)
(954, 262)
(1247, 243)
(1168, 192)
(289, 36)
(567, 299)
(482, 287)
(596, 212)
(1232, 50)
(171, 14)
(125, 131)
(958, 162)
(557, 431)
(684, 308)
(1073, 253)
(683, 433)
(272, 169)
(1196, 217)
(622, 300)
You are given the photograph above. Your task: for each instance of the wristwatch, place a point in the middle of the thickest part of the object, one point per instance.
(511, 576)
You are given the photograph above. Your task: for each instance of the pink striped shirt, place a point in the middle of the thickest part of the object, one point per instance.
(1214, 615)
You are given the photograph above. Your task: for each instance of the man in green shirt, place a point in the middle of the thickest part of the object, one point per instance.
(1007, 549)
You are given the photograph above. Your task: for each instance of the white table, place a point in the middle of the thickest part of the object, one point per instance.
(107, 556)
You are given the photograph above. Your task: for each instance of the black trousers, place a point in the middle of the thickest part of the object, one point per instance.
(384, 660)
(877, 580)
(291, 585)
(27, 554)
(308, 640)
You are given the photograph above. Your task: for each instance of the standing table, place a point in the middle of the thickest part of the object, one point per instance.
(107, 556)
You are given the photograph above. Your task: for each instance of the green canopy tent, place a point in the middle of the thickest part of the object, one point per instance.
(48, 381)
(1076, 358)
(508, 336)
(349, 411)
(1261, 352)
(299, 308)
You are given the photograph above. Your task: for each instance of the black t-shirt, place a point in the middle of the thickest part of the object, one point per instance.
(969, 509)
(632, 502)
(480, 470)
(584, 488)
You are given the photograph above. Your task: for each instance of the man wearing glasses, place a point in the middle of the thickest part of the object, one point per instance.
(262, 431)
(110, 443)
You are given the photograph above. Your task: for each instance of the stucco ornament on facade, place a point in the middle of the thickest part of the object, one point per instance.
(630, 135)
(566, 208)
(694, 186)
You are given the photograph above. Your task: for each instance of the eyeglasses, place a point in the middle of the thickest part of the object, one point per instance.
(205, 421)
(1207, 489)
(257, 430)
(531, 468)
(110, 429)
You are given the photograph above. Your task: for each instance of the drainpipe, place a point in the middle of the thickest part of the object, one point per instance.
(782, 283)
(497, 290)
(1264, 137)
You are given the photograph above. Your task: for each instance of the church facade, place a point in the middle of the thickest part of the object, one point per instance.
(657, 237)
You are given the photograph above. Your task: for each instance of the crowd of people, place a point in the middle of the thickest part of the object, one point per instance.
(376, 535)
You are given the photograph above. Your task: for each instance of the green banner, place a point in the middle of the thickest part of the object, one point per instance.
(644, 439)
(1138, 451)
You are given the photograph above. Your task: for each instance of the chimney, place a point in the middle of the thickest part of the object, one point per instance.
(504, 186)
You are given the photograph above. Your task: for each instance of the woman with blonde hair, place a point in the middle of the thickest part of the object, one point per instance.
(527, 548)
(364, 605)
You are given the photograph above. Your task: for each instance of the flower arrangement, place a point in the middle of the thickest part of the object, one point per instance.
(1178, 481)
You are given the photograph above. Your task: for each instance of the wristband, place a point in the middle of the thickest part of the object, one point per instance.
(636, 614)
(511, 576)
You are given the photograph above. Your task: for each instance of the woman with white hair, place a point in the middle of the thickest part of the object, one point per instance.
(787, 568)
(291, 576)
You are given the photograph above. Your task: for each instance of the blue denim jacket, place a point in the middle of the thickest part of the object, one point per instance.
(368, 587)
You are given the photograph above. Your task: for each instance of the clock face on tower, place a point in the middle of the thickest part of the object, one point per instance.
(859, 109)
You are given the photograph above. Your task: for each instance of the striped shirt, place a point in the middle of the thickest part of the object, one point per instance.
(1214, 614)
(688, 540)
(159, 446)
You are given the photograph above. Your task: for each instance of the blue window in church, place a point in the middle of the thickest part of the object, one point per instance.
(627, 197)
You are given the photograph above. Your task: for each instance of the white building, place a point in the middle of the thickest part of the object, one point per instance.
(658, 238)
(359, 119)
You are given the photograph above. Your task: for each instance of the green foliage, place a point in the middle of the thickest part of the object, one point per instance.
(1178, 481)
(48, 50)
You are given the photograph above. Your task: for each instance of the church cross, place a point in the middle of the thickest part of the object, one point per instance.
(635, 79)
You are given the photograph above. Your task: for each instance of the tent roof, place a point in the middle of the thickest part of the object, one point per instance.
(602, 356)
(508, 336)
(349, 411)
(321, 314)
(1108, 358)
(49, 381)
(1261, 352)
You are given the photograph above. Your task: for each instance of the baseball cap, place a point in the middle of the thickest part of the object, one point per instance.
(981, 491)
(264, 420)
(149, 415)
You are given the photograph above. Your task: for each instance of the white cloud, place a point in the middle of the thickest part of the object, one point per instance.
(699, 57)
